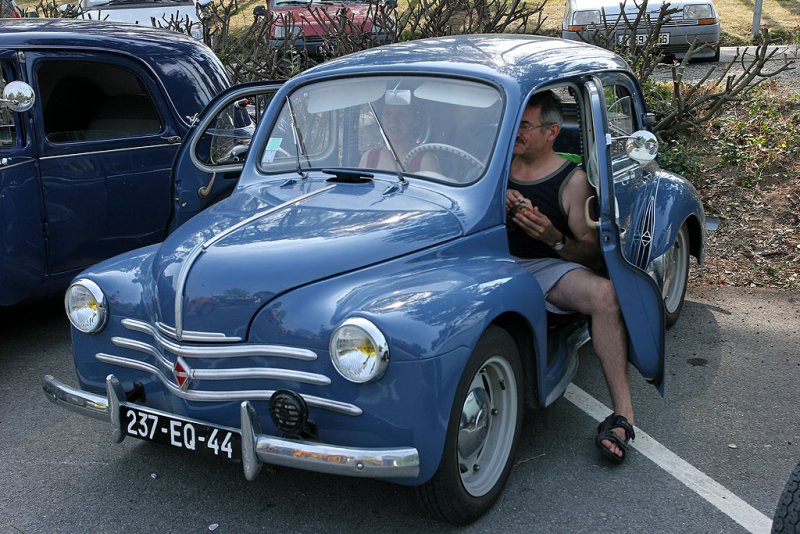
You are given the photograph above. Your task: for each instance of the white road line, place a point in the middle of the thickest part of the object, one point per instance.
(691, 477)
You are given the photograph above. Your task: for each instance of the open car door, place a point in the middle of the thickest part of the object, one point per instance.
(622, 188)
(211, 157)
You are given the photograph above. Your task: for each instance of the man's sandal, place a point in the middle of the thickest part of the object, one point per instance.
(604, 432)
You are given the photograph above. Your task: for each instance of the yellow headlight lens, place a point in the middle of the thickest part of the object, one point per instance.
(86, 306)
(359, 351)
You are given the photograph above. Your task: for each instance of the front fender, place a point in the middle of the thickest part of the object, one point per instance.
(432, 307)
(676, 202)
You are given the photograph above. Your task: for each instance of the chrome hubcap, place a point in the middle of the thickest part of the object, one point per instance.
(487, 426)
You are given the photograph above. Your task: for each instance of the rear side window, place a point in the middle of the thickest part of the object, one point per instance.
(89, 101)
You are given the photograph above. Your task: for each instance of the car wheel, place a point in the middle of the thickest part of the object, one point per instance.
(676, 276)
(787, 514)
(482, 433)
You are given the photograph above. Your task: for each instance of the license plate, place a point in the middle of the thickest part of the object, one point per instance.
(624, 40)
(181, 433)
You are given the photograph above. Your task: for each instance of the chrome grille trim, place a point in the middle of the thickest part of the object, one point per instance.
(200, 337)
(223, 396)
(268, 373)
(278, 351)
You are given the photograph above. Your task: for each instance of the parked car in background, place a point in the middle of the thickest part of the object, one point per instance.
(159, 13)
(9, 8)
(693, 22)
(306, 23)
(85, 173)
(340, 315)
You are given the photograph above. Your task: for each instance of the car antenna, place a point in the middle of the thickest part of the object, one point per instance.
(397, 163)
(298, 141)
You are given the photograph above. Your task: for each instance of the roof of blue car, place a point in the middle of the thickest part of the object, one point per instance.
(514, 56)
(79, 33)
(189, 70)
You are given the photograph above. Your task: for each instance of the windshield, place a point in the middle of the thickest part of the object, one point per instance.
(92, 4)
(436, 128)
(278, 3)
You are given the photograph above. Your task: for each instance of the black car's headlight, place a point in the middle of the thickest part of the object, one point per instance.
(359, 350)
(86, 306)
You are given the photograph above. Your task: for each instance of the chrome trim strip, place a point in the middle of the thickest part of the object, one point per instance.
(257, 448)
(140, 346)
(111, 151)
(17, 163)
(266, 373)
(180, 285)
(278, 351)
(201, 337)
(223, 396)
(183, 274)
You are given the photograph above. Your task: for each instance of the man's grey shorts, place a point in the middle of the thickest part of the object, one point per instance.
(548, 271)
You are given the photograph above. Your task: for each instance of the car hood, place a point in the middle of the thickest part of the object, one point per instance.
(314, 19)
(143, 13)
(265, 240)
(612, 7)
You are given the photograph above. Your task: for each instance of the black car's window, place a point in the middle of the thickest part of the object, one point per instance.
(88, 101)
(8, 130)
(440, 129)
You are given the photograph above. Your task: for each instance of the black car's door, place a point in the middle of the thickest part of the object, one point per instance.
(107, 138)
(211, 157)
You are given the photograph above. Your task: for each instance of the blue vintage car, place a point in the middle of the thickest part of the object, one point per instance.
(353, 312)
(85, 172)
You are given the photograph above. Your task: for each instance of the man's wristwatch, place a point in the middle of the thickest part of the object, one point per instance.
(558, 246)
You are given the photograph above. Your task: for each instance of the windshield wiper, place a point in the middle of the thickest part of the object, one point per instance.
(398, 165)
(298, 141)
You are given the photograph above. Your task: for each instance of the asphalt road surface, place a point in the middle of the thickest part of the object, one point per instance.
(711, 456)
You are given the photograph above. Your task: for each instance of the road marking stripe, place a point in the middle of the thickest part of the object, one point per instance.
(691, 477)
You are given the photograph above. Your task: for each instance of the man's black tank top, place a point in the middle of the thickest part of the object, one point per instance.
(545, 194)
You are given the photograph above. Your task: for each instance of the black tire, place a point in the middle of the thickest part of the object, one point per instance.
(787, 514)
(490, 398)
(676, 276)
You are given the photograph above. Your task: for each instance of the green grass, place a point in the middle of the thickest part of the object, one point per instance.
(782, 17)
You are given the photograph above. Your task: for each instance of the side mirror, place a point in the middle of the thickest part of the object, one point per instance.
(260, 11)
(642, 146)
(18, 96)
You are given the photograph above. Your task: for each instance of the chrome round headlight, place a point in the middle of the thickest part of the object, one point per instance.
(359, 351)
(86, 306)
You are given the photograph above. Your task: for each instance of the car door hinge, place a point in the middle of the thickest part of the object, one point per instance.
(45, 230)
(21, 57)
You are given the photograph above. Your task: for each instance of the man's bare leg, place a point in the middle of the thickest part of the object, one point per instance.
(587, 293)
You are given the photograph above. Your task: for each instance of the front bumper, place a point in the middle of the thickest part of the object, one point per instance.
(257, 448)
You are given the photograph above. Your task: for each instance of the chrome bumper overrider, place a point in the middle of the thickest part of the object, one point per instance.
(257, 448)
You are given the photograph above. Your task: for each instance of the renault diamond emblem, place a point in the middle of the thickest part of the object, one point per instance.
(182, 373)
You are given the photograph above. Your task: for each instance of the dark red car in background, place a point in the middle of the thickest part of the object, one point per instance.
(307, 23)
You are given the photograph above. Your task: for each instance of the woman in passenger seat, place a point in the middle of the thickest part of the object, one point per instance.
(398, 122)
